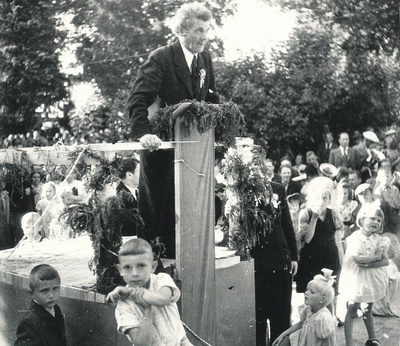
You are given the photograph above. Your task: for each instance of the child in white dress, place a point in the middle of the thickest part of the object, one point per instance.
(49, 207)
(364, 277)
(317, 326)
(146, 312)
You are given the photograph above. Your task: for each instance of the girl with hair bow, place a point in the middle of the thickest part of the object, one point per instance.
(317, 326)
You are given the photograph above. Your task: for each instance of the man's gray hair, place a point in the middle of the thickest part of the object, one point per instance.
(182, 20)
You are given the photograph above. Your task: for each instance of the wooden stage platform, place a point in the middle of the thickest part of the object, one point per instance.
(89, 320)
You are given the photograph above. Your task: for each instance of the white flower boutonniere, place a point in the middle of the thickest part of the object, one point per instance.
(275, 201)
(202, 77)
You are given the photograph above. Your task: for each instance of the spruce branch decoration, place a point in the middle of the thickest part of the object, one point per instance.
(249, 190)
(226, 118)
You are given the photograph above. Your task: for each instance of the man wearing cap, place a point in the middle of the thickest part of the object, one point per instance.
(343, 155)
(365, 157)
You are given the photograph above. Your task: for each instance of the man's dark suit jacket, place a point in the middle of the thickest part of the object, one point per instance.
(129, 227)
(337, 159)
(323, 153)
(165, 75)
(39, 327)
(277, 249)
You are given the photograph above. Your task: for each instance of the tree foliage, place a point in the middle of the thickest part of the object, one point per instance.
(339, 70)
(30, 46)
(119, 35)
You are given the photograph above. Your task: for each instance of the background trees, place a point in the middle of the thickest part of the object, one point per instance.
(30, 45)
(338, 70)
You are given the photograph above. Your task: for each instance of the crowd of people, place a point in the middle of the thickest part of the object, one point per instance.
(345, 217)
(337, 213)
(61, 136)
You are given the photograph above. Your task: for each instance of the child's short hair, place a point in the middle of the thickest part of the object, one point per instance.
(42, 272)
(369, 210)
(324, 284)
(136, 246)
(31, 216)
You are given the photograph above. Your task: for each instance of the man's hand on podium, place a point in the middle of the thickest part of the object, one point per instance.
(151, 142)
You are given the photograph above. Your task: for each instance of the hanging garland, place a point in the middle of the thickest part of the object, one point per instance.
(103, 220)
(248, 191)
(225, 118)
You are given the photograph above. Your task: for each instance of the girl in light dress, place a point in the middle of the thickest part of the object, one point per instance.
(317, 326)
(346, 210)
(50, 208)
(363, 278)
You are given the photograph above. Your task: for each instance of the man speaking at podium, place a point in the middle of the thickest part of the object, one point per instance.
(171, 74)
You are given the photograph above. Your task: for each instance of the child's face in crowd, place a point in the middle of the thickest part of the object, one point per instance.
(313, 296)
(50, 192)
(294, 206)
(136, 269)
(345, 193)
(371, 224)
(47, 292)
(27, 226)
(36, 179)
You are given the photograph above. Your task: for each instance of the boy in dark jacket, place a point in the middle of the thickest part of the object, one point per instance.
(43, 324)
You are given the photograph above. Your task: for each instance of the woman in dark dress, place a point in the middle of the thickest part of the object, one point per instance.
(319, 225)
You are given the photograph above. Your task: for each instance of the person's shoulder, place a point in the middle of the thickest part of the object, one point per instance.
(276, 186)
(165, 50)
(352, 149)
(335, 150)
(162, 277)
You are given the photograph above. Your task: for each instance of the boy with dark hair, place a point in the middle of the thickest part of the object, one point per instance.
(43, 324)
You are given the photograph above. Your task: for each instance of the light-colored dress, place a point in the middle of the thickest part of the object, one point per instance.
(319, 329)
(166, 320)
(390, 304)
(363, 284)
(49, 211)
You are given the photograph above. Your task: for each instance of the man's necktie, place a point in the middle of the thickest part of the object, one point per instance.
(194, 76)
(345, 157)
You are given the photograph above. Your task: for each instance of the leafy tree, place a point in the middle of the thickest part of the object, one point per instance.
(329, 75)
(373, 25)
(120, 34)
(30, 42)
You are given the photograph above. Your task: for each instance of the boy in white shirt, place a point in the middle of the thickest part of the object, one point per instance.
(146, 312)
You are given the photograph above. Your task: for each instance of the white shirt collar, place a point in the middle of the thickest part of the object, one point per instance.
(188, 55)
(343, 150)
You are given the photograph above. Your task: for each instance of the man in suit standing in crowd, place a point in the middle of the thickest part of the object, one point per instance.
(127, 189)
(343, 155)
(170, 75)
(269, 171)
(275, 264)
(326, 148)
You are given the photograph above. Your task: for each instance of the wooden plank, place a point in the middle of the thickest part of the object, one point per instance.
(57, 154)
